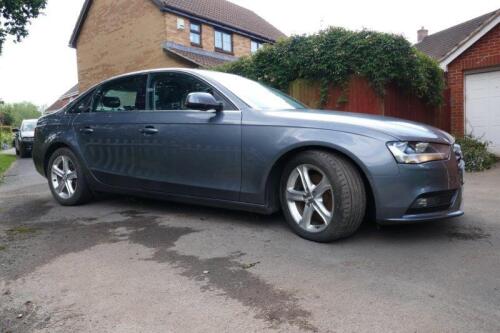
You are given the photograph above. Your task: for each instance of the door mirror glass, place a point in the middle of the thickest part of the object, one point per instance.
(202, 101)
(111, 102)
(15, 130)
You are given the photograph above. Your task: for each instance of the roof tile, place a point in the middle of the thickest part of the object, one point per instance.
(441, 43)
(227, 13)
(202, 58)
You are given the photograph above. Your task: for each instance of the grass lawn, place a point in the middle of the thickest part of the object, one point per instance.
(5, 162)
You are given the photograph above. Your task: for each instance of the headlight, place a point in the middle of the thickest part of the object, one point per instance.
(419, 152)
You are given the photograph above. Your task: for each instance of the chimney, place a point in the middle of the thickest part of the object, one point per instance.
(421, 34)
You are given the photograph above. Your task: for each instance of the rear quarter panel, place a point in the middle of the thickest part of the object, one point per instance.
(51, 130)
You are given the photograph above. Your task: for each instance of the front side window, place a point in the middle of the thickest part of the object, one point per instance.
(223, 41)
(255, 46)
(195, 34)
(124, 94)
(171, 89)
(83, 104)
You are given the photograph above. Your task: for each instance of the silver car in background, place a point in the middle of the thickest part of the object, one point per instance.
(24, 137)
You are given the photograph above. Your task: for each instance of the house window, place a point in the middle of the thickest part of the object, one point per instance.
(255, 46)
(195, 34)
(223, 41)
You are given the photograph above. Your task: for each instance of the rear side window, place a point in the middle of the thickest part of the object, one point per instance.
(121, 95)
(169, 91)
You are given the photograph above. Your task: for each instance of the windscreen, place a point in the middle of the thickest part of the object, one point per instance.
(255, 94)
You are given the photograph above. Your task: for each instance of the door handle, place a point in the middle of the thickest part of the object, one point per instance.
(87, 130)
(149, 130)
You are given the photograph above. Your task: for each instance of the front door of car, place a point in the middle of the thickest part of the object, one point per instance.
(189, 152)
(107, 131)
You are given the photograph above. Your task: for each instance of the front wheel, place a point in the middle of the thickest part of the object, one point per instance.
(66, 179)
(323, 196)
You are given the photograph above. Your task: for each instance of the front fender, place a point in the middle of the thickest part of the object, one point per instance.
(264, 146)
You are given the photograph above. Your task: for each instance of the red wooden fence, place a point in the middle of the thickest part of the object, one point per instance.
(358, 96)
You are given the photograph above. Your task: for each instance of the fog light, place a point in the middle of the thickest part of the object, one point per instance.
(432, 202)
(421, 203)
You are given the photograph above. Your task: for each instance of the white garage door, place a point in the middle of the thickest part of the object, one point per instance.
(482, 107)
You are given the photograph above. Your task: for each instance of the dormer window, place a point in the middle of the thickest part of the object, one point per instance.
(195, 34)
(223, 42)
(255, 46)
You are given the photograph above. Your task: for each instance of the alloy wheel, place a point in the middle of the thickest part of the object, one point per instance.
(64, 177)
(310, 199)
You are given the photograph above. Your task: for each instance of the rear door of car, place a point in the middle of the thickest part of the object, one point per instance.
(185, 151)
(107, 131)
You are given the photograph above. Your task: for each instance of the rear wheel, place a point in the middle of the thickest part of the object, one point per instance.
(66, 179)
(322, 196)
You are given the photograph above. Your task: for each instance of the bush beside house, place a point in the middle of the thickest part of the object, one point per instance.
(476, 155)
(333, 56)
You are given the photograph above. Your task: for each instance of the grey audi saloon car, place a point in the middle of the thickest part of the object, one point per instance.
(217, 139)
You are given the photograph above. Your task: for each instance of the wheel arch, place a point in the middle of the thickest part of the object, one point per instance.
(274, 176)
(50, 150)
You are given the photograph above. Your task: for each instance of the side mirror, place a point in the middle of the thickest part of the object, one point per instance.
(82, 108)
(111, 102)
(202, 101)
(15, 130)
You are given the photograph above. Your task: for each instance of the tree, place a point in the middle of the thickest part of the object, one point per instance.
(15, 15)
(14, 114)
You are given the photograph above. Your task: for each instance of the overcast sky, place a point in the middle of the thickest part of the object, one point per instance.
(42, 66)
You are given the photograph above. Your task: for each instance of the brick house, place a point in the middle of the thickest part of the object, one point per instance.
(469, 53)
(114, 37)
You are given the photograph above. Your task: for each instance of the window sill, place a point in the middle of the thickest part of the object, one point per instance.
(223, 51)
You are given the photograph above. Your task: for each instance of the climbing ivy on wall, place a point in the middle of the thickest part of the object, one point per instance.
(332, 56)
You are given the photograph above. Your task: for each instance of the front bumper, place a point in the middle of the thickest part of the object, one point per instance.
(26, 145)
(395, 196)
(455, 210)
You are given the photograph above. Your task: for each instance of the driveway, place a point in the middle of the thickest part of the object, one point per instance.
(123, 264)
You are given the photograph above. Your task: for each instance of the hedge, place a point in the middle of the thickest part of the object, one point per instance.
(332, 56)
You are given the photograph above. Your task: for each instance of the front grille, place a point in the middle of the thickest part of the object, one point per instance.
(432, 202)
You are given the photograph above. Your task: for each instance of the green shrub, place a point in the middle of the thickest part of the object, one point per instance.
(14, 114)
(5, 139)
(476, 155)
(332, 56)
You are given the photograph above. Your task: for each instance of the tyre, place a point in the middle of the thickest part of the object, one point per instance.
(66, 179)
(323, 196)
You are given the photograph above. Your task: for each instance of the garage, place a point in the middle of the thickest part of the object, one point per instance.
(482, 107)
